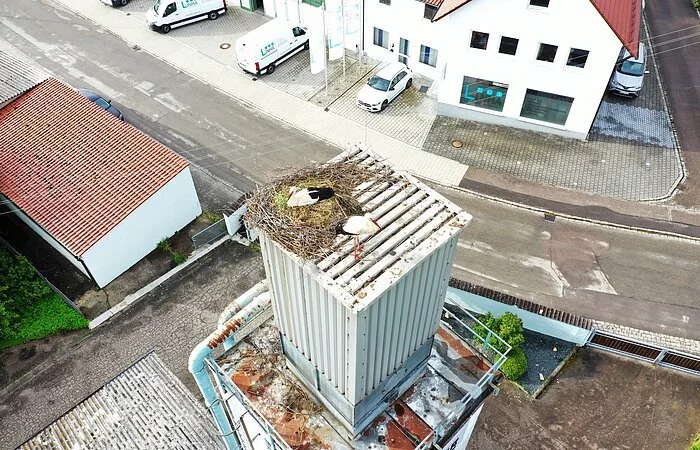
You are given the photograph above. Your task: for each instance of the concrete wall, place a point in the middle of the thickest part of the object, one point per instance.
(164, 213)
(531, 321)
(566, 24)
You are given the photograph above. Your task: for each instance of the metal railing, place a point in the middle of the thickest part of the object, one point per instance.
(210, 234)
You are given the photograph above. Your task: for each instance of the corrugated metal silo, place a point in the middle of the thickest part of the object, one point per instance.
(358, 333)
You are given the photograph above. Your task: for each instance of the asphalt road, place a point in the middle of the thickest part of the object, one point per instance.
(676, 29)
(622, 277)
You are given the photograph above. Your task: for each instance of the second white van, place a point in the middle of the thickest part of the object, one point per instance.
(261, 49)
(168, 14)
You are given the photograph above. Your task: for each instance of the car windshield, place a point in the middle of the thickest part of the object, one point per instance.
(102, 103)
(631, 67)
(379, 83)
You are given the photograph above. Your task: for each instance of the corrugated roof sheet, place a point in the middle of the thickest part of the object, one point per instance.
(75, 169)
(17, 77)
(624, 18)
(145, 407)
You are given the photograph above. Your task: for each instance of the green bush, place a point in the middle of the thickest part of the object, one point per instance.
(20, 289)
(515, 365)
(696, 3)
(179, 257)
(509, 327)
(696, 443)
(48, 316)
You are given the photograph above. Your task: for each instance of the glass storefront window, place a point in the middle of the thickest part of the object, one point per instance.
(483, 93)
(546, 107)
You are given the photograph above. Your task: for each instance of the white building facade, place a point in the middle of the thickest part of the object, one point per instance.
(534, 67)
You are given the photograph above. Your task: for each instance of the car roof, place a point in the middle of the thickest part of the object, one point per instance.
(88, 94)
(391, 70)
(640, 56)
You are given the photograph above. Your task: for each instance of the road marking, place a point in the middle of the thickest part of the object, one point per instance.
(166, 99)
(601, 283)
(479, 274)
(551, 269)
(480, 247)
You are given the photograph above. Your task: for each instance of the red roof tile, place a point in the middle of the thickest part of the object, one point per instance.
(75, 169)
(623, 17)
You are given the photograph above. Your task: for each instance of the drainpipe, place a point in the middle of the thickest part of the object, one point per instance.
(198, 369)
(241, 302)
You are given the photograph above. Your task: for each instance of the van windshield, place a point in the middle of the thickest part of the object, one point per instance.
(379, 83)
(631, 67)
(156, 6)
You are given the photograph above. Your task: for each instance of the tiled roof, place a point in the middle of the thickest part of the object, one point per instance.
(75, 169)
(623, 17)
(145, 407)
(17, 77)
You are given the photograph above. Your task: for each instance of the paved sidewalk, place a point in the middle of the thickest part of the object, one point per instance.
(180, 51)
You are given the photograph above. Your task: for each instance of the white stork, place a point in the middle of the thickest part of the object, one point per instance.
(358, 226)
(308, 196)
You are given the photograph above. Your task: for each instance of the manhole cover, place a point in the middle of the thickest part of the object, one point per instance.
(456, 143)
(225, 46)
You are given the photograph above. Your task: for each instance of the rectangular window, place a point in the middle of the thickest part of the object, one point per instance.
(385, 2)
(428, 55)
(479, 40)
(381, 38)
(403, 50)
(508, 46)
(540, 3)
(577, 57)
(546, 107)
(483, 93)
(547, 53)
(429, 11)
(316, 3)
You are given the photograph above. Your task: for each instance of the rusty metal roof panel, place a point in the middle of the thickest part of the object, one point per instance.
(256, 366)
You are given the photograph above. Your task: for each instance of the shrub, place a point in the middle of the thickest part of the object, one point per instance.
(179, 257)
(509, 327)
(696, 3)
(164, 245)
(515, 365)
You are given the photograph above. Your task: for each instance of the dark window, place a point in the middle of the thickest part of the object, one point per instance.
(508, 46)
(429, 11)
(403, 50)
(381, 38)
(171, 8)
(540, 3)
(546, 107)
(483, 93)
(479, 40)
(316, 3)
(547, 53)
(428, 56)
(298, 31)
(385, 2)
(577, 57)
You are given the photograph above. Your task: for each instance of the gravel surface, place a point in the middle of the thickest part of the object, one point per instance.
(541, 358)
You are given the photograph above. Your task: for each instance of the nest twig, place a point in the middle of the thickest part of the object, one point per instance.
(309, 231)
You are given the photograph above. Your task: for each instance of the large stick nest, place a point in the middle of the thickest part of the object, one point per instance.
(309, 231)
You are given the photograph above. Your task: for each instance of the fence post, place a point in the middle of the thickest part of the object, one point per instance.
(660, 356)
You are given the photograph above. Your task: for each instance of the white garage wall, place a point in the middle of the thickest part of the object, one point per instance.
(166, 212)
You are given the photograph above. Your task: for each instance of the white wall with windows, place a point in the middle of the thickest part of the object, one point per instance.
(400, 30)
(535, 64)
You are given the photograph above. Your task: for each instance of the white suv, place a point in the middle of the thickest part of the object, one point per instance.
(385, 86)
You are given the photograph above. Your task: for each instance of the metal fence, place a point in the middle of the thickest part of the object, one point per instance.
(209, 234)
(646, 352)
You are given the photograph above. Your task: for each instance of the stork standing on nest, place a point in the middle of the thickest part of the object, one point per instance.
(308, 196)
(358, 226)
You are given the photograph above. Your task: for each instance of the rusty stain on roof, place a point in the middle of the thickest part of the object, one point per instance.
(75, 169)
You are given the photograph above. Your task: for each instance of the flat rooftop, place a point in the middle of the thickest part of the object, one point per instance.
(257, 368)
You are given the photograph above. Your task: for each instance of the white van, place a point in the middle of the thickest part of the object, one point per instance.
(167, 14)
(266, 46)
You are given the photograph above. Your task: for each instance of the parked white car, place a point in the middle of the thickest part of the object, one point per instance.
(384, 87)
(168, 14)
